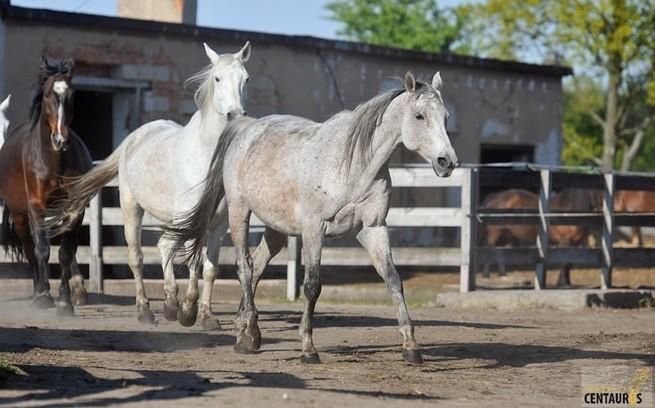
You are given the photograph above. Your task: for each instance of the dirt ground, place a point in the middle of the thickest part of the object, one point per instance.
(103, 356)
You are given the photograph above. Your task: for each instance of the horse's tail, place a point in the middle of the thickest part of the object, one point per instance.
(64, 213)
(10, 241)
(192, 226)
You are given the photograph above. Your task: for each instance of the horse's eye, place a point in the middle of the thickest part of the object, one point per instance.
(217, 79)
(419, 116)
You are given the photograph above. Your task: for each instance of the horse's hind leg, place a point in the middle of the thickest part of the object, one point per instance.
(376, 242)
(248, 334)
(67, 252)
(188, 313)
(171, 304)
(214, 240)
(133, 218)
(312, 245)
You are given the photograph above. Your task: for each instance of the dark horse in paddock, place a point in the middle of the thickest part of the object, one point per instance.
(582, 200)
(35, 161)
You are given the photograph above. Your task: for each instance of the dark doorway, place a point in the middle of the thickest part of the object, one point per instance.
(92, 121)
(506, 153)
(503, 153)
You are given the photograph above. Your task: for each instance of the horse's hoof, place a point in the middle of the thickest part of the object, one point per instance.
(146, 316)
(210, 324)
(245, 345)
(412, 356)
(170, 310)
(79, 297)
(311, 358)
(187, 315)
(43, 302)
(65, 309)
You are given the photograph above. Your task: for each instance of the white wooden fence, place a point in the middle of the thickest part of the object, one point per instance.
(466, 217)
(96, 254)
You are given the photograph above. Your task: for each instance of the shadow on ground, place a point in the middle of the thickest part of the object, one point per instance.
(501, 354)
(73, 382)
(292, 317)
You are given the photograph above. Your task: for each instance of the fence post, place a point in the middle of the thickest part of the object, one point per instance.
(96, 284)
(542, 238)
(292, 267)
(608, 231)
(469, 231)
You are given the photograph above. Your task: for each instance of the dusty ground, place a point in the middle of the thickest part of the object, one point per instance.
(103, 356)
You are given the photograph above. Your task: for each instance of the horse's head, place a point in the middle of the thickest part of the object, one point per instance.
(229, 77)
(423, 125)
(57, 100)
(4, 121)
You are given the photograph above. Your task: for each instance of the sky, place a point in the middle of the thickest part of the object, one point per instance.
(294, 17)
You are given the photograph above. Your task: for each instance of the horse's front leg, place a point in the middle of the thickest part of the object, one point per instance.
(376, 241)
(67, 252)
(271, 244)
(248, 334)
(42, 298)
(79, 295)
(312, 240)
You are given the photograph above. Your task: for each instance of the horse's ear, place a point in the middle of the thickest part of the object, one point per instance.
(244, 54)
(410, 82)
(5, 104)
(436, 81)
(211, 54)
(69, 66)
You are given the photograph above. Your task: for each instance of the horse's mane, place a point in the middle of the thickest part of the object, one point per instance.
(45, 72)
(366, 118)
(204, 94)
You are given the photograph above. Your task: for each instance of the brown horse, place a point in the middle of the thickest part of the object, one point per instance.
(635, 201)
(34, 162)
(526, 234)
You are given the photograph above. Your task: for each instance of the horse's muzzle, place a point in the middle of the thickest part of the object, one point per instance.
(59, 143)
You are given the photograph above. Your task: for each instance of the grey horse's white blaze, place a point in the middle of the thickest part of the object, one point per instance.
(59, 88)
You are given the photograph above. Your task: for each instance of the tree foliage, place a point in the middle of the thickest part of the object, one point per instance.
(410, 24)
(606, 121)
(611, 39)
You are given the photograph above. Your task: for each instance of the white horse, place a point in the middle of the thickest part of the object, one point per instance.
(317, 180)
(159, 166)
(4, 121)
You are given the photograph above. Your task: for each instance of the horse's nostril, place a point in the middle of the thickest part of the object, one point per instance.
(229, 116)
(443, 162)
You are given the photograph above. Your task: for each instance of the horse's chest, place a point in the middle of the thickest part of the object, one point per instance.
(370, 210)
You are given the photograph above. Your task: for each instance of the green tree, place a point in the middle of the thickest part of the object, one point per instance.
(410, 24)
(611, 39)
(582, 136)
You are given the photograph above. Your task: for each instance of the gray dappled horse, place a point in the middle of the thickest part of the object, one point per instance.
(316, 180)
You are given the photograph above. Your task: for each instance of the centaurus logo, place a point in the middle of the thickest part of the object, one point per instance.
(617, 386)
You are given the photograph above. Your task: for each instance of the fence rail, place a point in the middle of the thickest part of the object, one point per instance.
(98, 216)
(468, 218)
